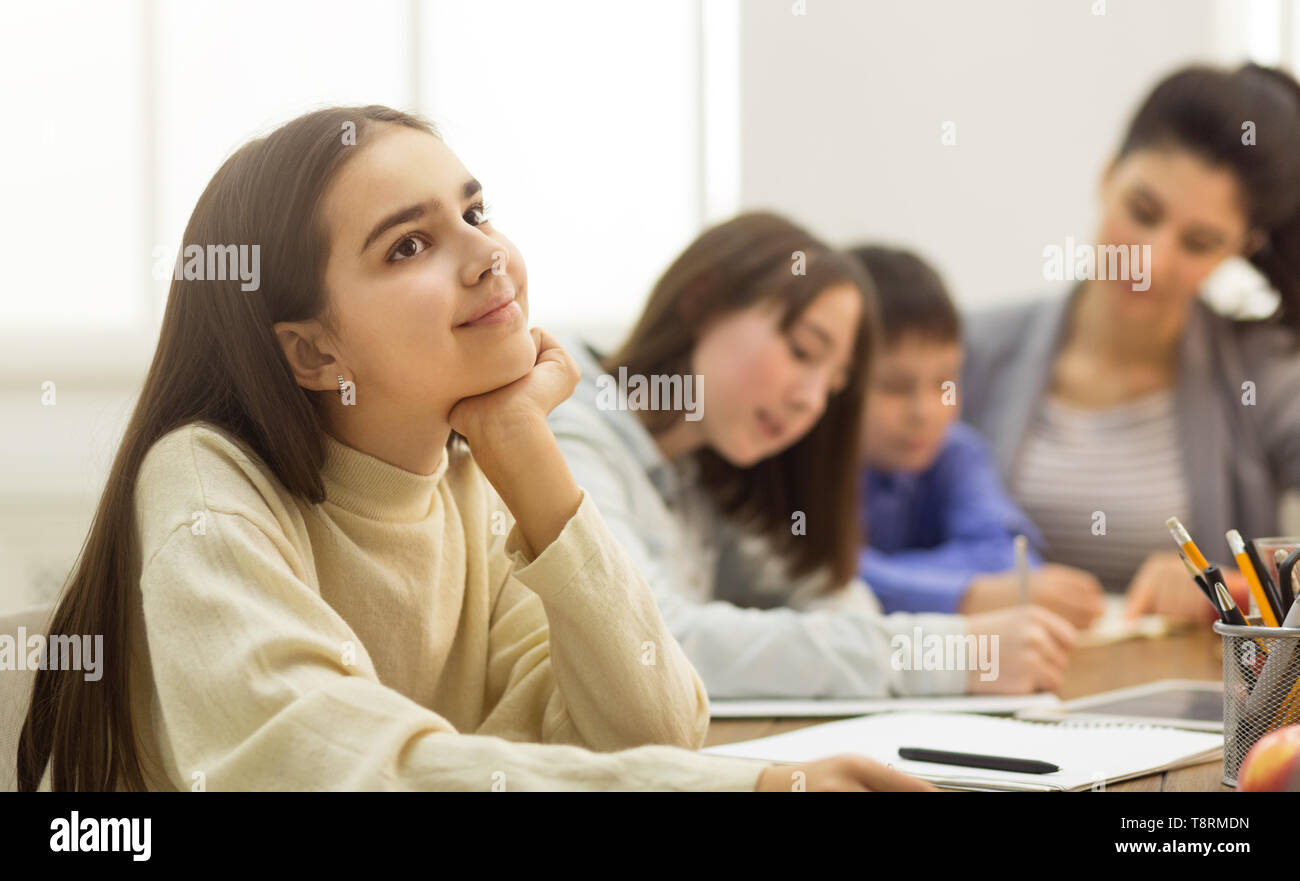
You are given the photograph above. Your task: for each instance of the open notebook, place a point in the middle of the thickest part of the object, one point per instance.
(1087, 753)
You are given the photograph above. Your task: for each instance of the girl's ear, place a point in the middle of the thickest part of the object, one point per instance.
(310, 358)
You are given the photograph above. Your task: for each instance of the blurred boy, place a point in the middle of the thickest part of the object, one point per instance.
(940, 526)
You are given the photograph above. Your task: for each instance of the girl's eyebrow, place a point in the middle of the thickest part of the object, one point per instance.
(471, 188)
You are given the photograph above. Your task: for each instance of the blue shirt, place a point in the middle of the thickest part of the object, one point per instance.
(933, 531)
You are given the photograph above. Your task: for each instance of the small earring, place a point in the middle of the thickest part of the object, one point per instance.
(343, 390)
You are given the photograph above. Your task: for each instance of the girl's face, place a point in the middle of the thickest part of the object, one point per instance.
(764, 388)
(427, 300)
(1189, 212)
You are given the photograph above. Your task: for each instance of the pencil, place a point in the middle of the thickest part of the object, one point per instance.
(1266, 579)
(1285, 566)
(1262, 599)
(1022, 568)
(1184, 540)
(1289, 711)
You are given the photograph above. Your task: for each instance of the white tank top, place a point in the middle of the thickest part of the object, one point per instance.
(1100, 484)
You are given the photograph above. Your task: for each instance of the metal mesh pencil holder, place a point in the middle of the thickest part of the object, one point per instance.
(1261, 692)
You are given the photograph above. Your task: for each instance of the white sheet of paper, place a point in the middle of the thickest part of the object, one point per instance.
(817, 708)
(1111, 626)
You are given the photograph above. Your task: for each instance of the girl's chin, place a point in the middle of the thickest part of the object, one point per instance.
(748, 461)
(507, 362)
(746, 453)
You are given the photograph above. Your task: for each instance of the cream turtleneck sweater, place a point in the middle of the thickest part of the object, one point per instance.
(395, 637)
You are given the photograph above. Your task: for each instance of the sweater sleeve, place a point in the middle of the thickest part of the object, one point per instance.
(261, 685)
(608, 676)
(765, 652)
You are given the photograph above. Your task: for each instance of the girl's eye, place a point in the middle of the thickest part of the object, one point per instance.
(403, 252)
(801, 354)
(477, 214)
(1143, 214)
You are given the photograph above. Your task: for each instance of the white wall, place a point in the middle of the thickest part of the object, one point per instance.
(839, 125)
(580, 117)
(842, 108)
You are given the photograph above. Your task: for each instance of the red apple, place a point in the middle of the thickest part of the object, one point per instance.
(1273, 764)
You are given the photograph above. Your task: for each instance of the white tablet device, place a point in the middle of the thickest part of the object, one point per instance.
(1175, 703)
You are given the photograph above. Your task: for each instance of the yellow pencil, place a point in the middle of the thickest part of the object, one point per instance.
(1238, 548)
(1289, 711)
(1184, 540)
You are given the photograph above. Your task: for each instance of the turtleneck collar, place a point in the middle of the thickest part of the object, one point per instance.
(372, 488)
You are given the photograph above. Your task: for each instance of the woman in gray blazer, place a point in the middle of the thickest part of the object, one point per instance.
(1128, 399)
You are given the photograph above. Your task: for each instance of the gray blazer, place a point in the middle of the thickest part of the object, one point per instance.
(1238, 458)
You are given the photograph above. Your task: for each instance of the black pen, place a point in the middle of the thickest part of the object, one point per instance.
(1200, 582)
(1213, 576)
(1230, 614)
(972, 760)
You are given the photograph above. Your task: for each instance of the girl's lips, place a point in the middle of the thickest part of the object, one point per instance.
(770, 427)
(506, 313)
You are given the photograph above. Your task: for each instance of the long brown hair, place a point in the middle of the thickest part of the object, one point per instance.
(1203, 110)
(745, 261)
(217, 361)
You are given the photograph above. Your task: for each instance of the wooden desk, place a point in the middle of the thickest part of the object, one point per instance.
(1194, 655)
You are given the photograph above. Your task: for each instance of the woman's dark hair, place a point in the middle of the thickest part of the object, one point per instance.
(1205, 110)
(911, 298)
(217, 361)
(743, 262)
